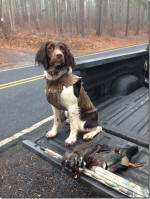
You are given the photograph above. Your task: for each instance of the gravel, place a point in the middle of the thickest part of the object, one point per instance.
(24, 174)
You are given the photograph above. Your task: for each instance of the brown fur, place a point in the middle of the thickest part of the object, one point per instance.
(85, 103)
(54, 89)
(47, 57)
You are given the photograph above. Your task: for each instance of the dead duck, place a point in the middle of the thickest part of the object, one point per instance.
(113, 160)
(78, 157)
(92, 154)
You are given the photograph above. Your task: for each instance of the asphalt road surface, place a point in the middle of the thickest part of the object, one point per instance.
(21, 105)
(23, 111)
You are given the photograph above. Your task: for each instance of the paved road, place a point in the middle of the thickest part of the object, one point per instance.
(23, 105)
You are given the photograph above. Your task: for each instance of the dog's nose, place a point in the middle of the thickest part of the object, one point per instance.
(59, 55)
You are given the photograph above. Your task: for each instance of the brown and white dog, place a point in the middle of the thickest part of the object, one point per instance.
(64, 91)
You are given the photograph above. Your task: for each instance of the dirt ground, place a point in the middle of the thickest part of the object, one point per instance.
(20, 48)
(25, 175)
(10, 58)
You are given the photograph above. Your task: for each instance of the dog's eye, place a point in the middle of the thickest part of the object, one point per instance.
(62, 48)
(51, 47)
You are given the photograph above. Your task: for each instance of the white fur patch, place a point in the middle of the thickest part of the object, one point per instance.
(70, 70)
(93, 132)
(57, 117)
(70, 102)
(47, 75)
(67, 97)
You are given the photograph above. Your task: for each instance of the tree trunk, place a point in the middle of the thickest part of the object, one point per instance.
(69, 16)
(2, 22)
(54, 15)
(138, 20)
(127, 19)
(29, 18)
(35, 13)
(99, 17)
(23, 10)
(82, 18)
(112, 31)
(59, 20)
(105, 14)
(17, 13)
(76, 17)
(64, 16)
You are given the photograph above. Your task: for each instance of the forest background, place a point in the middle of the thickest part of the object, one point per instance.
(85, 25)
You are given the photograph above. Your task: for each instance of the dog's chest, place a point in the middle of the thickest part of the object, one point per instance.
(59, 93)
(55, 99)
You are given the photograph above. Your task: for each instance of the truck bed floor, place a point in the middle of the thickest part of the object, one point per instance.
(127, 116)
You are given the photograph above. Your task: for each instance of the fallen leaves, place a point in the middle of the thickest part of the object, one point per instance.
(78, 45)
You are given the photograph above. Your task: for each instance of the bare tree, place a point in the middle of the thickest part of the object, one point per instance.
(82, 17)
(53, 14)
(112, 31)
(138, 19)
(127, 19)
(76, 16)
(69, 15)
(35, 13)
(2, 26)
(29, 17)
(11, 15)
(99, 17)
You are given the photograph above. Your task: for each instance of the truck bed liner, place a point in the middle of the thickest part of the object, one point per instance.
(127, 117)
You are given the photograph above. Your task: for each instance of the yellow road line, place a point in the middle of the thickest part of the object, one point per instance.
(33, 77)
(25, 131)
(19, 83)
(22, 81)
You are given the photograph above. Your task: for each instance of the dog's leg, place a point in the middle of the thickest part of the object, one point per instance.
(67, 118)
(70, 101)
(57, 117)
(73, 111)
(92, 133)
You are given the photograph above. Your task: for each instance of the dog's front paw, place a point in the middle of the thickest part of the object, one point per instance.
(70, 140)
(93, 133)
(50, 134)
(88, 136)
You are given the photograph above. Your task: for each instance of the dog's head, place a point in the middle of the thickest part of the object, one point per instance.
(55, 56)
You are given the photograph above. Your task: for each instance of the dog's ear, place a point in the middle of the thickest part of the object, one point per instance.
(41, 56)
(69, 59)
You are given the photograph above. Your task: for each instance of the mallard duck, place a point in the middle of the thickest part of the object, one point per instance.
(113, 160)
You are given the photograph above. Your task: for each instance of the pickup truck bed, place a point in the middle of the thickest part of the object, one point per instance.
(127, 117)
(124, 119)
